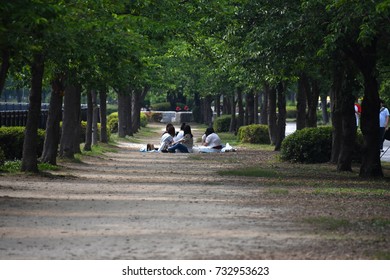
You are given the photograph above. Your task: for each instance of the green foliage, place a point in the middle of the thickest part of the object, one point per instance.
(222, 123)
(144, 119)
(84, 130)
(112, 122)
(254, 133)
(165, 106)
(11, 141)
(309, 145)
(291, 112)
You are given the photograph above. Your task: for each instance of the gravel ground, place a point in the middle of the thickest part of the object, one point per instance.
(133, 205)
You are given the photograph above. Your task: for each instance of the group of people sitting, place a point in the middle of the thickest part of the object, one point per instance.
(183, 141)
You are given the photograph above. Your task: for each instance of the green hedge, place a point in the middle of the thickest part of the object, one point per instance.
(112, 121)
(254, 133)
(11, 141)
(222, 123)
(309, 145)
(165, 106)
(84, 131)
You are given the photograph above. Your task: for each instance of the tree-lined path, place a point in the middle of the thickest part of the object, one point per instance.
(132, 205)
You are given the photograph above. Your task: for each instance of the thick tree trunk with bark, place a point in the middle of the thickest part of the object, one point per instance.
(52, 135)
(371, 164)
(281, 119)
(124, 113)
(312, 95)
(348, 133)
(88, 130)
(70, 136)
(249, 111)
(256, 108)
(240, 119)
(264, 106)
(272, 123)
(301, 104)
(335, 101)
(95, 118)
(324, 109)
(5, 64)
(30, 144)
(233, 119)
(103, 116)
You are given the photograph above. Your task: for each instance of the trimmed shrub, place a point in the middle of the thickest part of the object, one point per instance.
(165, 106)
(143, 119)
(112, 122)
(11, 141)
(309, 145)
(291, 112)
(254, 133)
(84, 131)
(222, 123)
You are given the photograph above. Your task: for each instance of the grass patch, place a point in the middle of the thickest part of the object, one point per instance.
(328, 223)
(250, 172)
(364, 192)
(97, 150)
(382, 255)
(15, 166)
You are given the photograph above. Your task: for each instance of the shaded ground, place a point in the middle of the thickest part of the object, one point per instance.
(133, 205)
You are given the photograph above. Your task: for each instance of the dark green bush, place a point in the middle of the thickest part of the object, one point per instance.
(165, 106)
(11, 141)
(222, 123)
(254, 133)
(143, 119)
(112, 122)
(291, 112)
(309, 145)
(84, 130)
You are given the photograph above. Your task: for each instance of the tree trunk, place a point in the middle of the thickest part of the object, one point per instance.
(250, 108)
(240, 119)
(124, 113)
(136, 110)
(371, 164)
(103, 116)
(312, 95)
(52, 135)
(88, 130)
(256, 108)
(301, 103)
(264, 106)
(70, 136)
(272, 124)
(30, 144)
(5, 64)
(335, 101)
(95, 118)
(281, 119)
(365, 59)
(233, 120)
(324, 109)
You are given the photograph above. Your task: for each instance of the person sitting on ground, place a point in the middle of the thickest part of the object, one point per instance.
(180, 133)
(167, 139)
(211, 139)
(184, 144)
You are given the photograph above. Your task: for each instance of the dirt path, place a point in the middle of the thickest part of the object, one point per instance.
(133, 205)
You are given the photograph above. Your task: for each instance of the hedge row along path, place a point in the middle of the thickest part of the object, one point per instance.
(132, 205)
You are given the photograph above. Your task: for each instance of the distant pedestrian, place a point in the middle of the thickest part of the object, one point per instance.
(383, 123)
